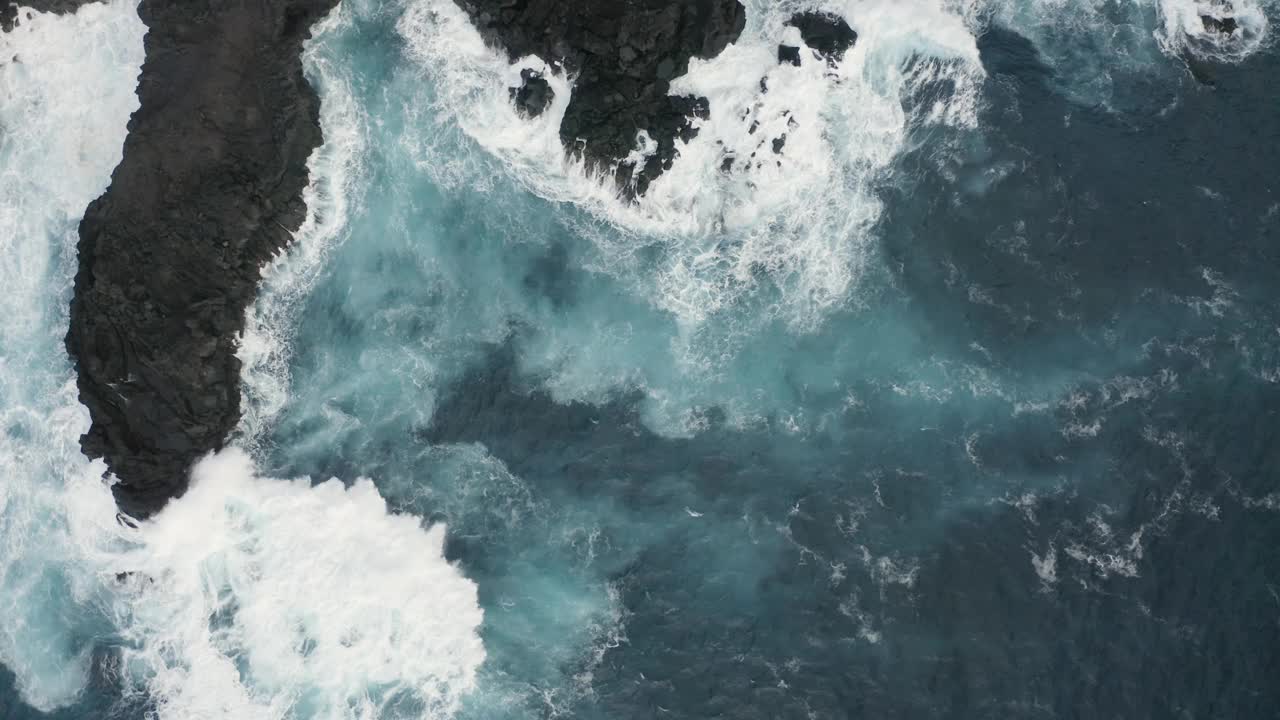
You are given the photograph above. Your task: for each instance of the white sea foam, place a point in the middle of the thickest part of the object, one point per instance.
(249, 597)
(1091, 42)
(1046, 566)
(66, 92)
(797, 222)
(261, 598)
(336, 170)
(1182, 29)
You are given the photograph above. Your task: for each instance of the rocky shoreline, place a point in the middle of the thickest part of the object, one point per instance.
(209, 189)
(624, 56)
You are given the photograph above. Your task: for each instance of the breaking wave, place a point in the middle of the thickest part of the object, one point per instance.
(260, 598)
(732, 218)
(248, 598)
(733, 221)
(66, 92)
(1223, 30)
(335, 169)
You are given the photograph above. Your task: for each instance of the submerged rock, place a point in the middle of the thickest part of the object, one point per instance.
(789, 54)
(208, 190)
(534, 94)
(624, 56)
(828, 34)
(1225, 25)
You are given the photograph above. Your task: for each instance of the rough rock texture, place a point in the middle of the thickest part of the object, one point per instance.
(534, 94)
(624, 53)
(10, 19)
(208, 190)
(828, 34)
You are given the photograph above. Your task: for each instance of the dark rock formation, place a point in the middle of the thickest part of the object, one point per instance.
(624, 54)
(1225, 25)
(534, 94)
(789, 54)
(9, 9)
(828, 34)
(208, 190)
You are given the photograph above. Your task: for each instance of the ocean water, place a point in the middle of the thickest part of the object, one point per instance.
(963, 405)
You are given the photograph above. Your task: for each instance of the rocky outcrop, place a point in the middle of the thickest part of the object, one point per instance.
(828, 35)
(624, 56)
(1224, 25)
(789, 54)
(208, 190)
(534, 94)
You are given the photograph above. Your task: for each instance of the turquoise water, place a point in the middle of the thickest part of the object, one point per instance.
(965, 409)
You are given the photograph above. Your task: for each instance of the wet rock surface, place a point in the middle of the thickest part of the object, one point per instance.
(208, 190)
(829, 35)
(624, 55)
(534, 94)
(1224, 25)
(789, 54)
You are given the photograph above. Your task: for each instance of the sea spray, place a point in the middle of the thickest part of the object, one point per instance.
(66, 92)
(776, 194)
(336, 171)
(263, 598)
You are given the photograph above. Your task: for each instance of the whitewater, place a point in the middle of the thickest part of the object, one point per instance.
(787, 439)
(212, 607)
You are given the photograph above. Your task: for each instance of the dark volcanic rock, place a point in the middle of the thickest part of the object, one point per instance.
(534, 94)
(9, 9)
(208, 190)
(624, 54)
(789, 54)
(1224, 25)
(830, 35)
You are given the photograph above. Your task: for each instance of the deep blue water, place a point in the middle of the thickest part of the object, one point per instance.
(1026, 468)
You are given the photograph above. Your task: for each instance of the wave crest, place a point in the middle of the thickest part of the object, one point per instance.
(252, 597)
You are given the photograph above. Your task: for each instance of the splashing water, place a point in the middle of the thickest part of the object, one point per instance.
(796, 221)
(250, 597)
(66, 92)
(336, 172)
(261, 598)
(649, 427)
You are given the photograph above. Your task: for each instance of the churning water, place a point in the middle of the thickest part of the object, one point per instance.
(962, 404)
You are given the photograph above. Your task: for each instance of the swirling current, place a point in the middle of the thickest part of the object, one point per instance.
(961, 403)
